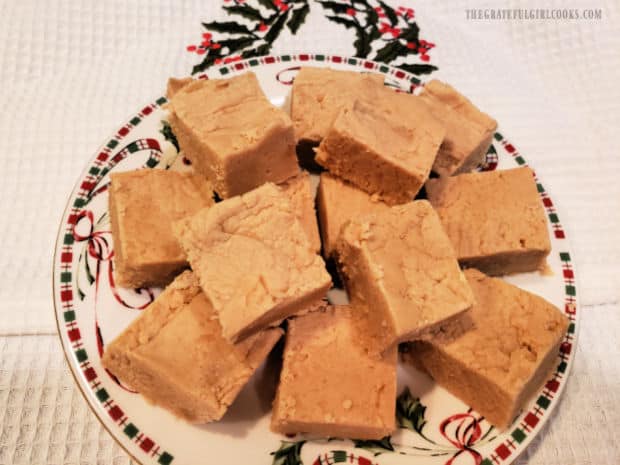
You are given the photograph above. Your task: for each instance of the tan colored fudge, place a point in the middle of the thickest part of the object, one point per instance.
(254, 260)
(494, 219)
(502, 355)
(301, 195)
(469, 131)
(176, 84)
(143, 204)
(386, 148)
(319, 94)
(339, 202)
(400, 265)
(329, 384)
(232, 134)
(175, 356)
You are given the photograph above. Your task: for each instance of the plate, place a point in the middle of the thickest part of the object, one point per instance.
(435, 427)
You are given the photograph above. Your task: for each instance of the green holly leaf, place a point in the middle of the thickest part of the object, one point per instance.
(276, 29)
(257, 52)
(348, 23)
(372, 18)
(166, 131)
(417, 68)
(245, 11)
(208, 60)
(361, 43)
(288, 453)
(237, 43)
(298, 18)
(389, 12)
(377, 447)
(268, 4)
(392, 50)
(229, 27)
(335, 6)
(410, 412)
(411, 33)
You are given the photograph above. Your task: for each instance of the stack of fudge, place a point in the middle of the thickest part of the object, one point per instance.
(243, 272)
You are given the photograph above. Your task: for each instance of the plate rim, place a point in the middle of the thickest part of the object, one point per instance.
(364, 65)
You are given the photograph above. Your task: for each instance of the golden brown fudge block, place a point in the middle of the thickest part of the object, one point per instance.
(501, 355)
(176, 84)
(400, 265)
(232, 134)
(494, 219)
(469, 131)
(385, 149)
(143, 205)
(329, 384)
(254, 260)
(175, 356)
(320, 93)
(301, 195)
(339, 202)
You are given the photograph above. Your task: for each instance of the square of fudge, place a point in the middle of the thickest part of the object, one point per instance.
(300, 193)
(495, 219)
(400, 264)
(386, 148)
(339, 202)
(232, 134)
(174, 354)
(319, 94)
(469, 131)
(504, 349)
(254, 260)
(330, 384)
(143, 204)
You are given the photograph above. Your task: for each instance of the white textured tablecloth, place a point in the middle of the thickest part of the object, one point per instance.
(70, 72)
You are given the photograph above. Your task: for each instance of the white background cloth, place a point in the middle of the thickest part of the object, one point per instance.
(71, 72)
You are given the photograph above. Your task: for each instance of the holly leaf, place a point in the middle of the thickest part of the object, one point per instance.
(166, 131)
(410, 412)
(298, 18)
(245, 11)
(392, 50)
(335, 6)
(268, 4)
(389, 12)
(257, 52)
(237, 43)
(344, 21)
(372, 18)
(377, 447)
(229, 27)
(411, 33)
(361, 43)
(288, 453)
(208, 60)
(276, 29)
(417, 68)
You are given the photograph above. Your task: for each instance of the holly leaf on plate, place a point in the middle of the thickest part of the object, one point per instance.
(375, 446)
(246, 11)
(417, 68)
(389, 12)
(276, 29)
(288, 453)
(231, 27)
(410, 412)
(298, 18)
(335, 6)
(166, 131)
(391, 51)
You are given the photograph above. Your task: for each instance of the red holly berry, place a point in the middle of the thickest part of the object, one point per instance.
(201, 51)
(191, 48)
(424, 57)
(207, 36)
(350, 11)
(410, 14)
(395, 32)
(384, 27)
(205, 43)
(410, 45)
(216, 46)
(422, 51)
(283, 7)
(218, 61)
(262, 27)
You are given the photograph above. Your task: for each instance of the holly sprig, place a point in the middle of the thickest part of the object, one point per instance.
(263, 22)
(392, 34)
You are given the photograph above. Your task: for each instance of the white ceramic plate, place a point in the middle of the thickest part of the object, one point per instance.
(436, 428)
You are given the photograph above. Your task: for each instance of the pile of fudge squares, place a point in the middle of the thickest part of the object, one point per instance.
(243, 272)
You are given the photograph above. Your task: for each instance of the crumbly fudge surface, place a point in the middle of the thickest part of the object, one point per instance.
(254, 260)
(330, 384)
(175, 356)
(469, 131)
(339, 202)
(143, 204)
(494, 219)
(502, 355)
(301, 195)
(320, 93)
(232, 134)
(401, 265)
(385, 148)
(176, 84)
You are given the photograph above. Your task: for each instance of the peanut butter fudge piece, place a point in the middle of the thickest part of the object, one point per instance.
(494, 219)
(330, 384)
(301, 195)
(400, 264)
(175, 356)
(339, 202)
(254, 260)
(320, 93)
(232, 134)
(176, 84)
(469, 131)
(502, 355)
(385, 148)
(143, 205)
